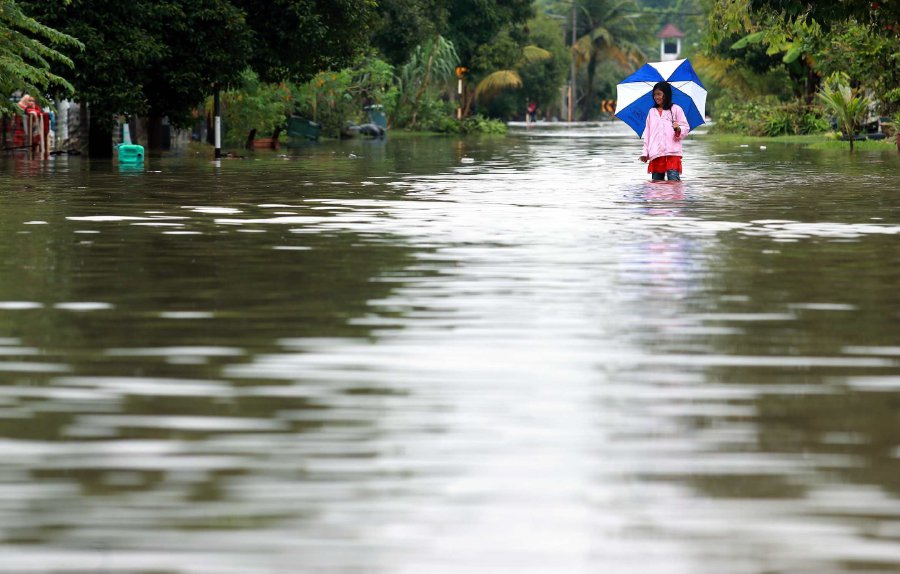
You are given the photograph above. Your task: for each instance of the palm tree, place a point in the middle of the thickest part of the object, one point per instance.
(848, 106)
(500, 80)
(614, 33)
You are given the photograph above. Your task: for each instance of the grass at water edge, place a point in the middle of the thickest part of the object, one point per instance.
(813, 141)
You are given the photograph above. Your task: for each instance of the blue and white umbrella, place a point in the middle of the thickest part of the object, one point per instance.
(634, 96)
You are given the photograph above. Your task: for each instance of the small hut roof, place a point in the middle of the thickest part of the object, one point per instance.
(670, 31)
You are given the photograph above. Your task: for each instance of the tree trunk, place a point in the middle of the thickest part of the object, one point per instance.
(589, 92)
(211, 129)
(84, 131)
(812, 85)
(99, 138)
(154, 132)
(425, 80)
(468, 99)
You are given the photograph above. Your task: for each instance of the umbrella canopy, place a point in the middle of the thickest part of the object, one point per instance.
(634, 96)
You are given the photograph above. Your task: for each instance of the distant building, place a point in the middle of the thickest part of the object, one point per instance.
(669, 42)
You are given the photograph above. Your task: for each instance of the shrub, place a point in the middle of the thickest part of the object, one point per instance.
(480, 125)
(767, 116)
(326, 99)
(813, 122)
(447, 125)
(431, 113)
(777, 122)
(253, 105)
(848, 106)
(471, 125)
(334, 99)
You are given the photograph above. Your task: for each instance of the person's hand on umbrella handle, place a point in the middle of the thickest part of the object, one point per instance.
(644, 158)
(676, 127)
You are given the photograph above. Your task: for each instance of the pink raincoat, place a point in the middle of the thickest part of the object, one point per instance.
(659, 135)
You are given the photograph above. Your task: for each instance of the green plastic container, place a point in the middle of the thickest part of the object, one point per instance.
(298, 127)
(377, 115)
(131, 153)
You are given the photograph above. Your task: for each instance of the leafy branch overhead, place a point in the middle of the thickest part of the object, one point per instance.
(26, 55)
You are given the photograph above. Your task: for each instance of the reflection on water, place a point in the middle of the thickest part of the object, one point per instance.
(433, 355)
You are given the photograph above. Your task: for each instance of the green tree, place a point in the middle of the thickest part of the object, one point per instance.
(296, 39)
(472, 24)
(401, 25)
(202, 43)
(864, 52)
(501, 80)
(148, 57)
(254, 105)
(25, 58)
(538, 72)
(334, 98)
(880, 14)
(542, 79)
(162, 58)
(812, 39)
(476, 28)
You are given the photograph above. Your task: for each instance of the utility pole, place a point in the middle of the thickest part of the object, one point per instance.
(572, 81)
(460, 75)
(217, 124)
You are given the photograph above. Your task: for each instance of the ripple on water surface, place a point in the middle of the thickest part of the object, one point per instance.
(454, 356)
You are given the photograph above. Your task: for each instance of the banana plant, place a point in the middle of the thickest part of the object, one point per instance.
(435, 61)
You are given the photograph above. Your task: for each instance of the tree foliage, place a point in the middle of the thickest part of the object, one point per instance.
(608, 31)
(401, 25)
(885, 13)
(543, 78)
(472, 24)
(150, 57)
(811, 40)
(163, 57)
(864, 54)
(431, 66)
(252, 104)
(26, 57)
(296, 39)
(500, 80)
(335, 98)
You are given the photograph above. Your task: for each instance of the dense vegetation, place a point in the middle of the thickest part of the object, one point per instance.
(772, 66)
(781, 66)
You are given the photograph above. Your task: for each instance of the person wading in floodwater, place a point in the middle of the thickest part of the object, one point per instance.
(665, 128)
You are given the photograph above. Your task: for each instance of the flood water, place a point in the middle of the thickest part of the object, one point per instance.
(432, 355)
